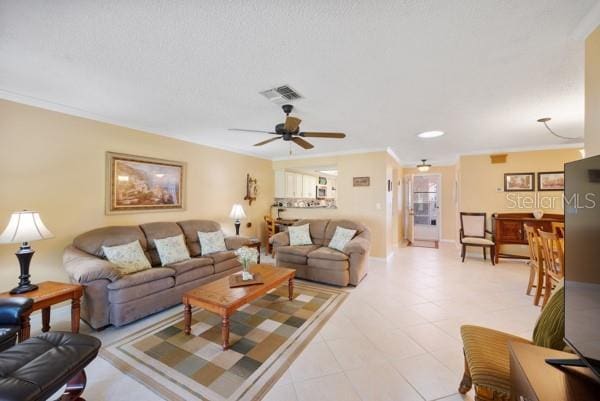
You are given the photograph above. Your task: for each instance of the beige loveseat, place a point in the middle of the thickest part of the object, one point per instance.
(110, 298)
(318, 262)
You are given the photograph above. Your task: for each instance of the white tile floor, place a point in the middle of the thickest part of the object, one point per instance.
(395, 338)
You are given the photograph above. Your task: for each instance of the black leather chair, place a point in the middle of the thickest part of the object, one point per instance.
(12, 313)
(37, 368)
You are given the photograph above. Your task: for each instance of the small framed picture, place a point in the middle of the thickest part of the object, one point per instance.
(361, 181)
(551, 181)
(519, 182)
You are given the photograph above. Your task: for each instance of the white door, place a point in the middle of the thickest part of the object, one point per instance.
(408, 210)
(426, 206)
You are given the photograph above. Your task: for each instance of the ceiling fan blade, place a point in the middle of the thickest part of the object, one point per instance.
(323, 134)
(267, 141)
(292, 123)
(251, 130)
(301, 142)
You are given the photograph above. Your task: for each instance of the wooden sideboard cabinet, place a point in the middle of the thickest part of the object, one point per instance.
(508, 228)
(532, 379)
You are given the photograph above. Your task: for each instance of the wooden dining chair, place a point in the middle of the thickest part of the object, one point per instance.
(474, 232)
(270, 222)
(536, 264)
(558, 228)
(554, 262)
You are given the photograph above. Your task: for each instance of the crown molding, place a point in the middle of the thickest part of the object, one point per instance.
(587, 24)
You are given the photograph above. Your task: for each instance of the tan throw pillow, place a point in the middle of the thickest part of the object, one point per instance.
(129, 258)
(172, 250)
(341, 237)
(300, 235)
(212, 242)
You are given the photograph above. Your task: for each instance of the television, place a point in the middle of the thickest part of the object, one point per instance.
(582, 260)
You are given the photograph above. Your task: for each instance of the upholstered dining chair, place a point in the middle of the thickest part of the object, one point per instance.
(487, 360)
(270, 222)
(536, 264)
(554, 262)
(473, 232)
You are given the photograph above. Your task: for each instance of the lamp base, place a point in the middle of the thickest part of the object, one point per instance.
(24, 255)
(23, 289)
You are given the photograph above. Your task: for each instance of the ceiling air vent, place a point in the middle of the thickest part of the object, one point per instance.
(281, 94)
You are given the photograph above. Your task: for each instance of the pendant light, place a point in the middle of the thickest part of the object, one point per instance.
(423, 167)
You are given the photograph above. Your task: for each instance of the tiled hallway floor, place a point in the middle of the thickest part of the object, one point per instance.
(395, 338)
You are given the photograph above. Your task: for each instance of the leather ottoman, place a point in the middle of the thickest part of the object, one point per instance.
(38, 367)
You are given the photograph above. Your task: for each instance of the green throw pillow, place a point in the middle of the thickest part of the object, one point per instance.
(549, 331)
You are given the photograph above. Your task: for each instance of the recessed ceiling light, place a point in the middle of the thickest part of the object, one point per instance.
(430, 134)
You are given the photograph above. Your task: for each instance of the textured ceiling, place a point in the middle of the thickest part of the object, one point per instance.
(381, 71)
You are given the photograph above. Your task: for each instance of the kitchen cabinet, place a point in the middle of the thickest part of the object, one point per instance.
(280, 184)
(295, 185)
(309, 186)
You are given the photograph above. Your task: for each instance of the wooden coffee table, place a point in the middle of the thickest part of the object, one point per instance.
(217, 297)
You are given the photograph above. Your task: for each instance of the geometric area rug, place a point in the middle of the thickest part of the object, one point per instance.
(266, 336)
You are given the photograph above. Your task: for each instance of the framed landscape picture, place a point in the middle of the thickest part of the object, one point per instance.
(142, 184)
(361, 181)
(551, 181)
(519, 182)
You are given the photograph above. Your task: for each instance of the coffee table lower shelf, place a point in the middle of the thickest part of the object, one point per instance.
(219, 298)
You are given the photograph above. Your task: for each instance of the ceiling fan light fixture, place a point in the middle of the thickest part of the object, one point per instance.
(423, 167)
(430, 134)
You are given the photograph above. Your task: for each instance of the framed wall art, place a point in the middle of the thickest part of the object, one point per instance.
(519, 182)
(361, 181)
(142, 184)
(551, 181)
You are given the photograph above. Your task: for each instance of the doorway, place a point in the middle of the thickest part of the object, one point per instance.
(424, 210)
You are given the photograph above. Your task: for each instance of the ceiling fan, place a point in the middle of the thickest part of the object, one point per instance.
(290, 131)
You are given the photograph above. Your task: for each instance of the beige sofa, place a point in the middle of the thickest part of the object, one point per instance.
(110, 298)
(318, 262)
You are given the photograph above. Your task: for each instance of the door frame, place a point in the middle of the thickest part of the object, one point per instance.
(439, 192)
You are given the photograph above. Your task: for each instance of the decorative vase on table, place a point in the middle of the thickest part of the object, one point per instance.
(247, 256)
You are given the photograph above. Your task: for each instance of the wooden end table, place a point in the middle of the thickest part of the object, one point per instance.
(219, 298)
(50, 293)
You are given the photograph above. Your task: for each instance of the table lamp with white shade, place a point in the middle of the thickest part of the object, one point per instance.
(22, 228)
(237, 214)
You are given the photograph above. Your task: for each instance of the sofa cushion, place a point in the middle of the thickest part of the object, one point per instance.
(190, 264)
(128, 258)
(158, 230)
(92, 241)
(327, 254)
(190, 230)
(171, 249)
(317, 229)
(328, 264)
(295, 254)
(297, 250)
(122, 295)
(195, 274)
(212, 242)
(226, 265)
(146, 276)
(219, 257)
